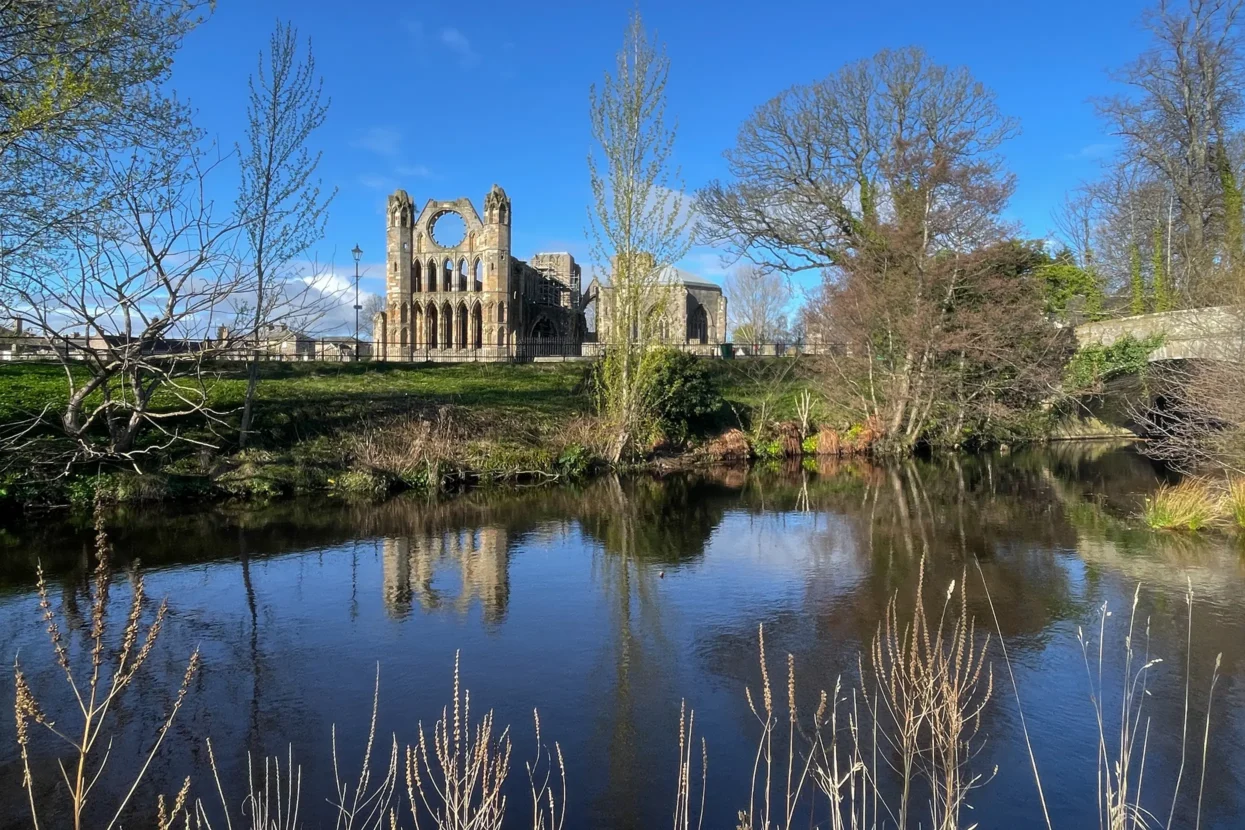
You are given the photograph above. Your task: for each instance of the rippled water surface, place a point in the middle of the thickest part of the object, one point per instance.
(608, 604)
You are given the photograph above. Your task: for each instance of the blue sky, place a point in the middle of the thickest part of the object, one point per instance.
(444, 99)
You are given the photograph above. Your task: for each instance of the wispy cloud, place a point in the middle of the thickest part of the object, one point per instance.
(372, 182)
(1091, 151)
(458, 43)
(384, 141)
(417, 171)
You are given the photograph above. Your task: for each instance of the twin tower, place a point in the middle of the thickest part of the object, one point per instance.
(453, 291)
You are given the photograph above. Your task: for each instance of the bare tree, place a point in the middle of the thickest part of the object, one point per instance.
(637, 225)
(885, 178)
(760, 302)
(373, 305)
(279, 199)
(1178, 124)
(129, 306)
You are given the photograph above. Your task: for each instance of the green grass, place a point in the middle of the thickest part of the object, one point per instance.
(1235, 502)
(503, 417)
(747, 383)
(298, 399)
(1190, 505)
(323, 397)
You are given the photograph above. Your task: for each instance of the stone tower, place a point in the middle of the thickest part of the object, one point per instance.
(398, 245)
(497, 247)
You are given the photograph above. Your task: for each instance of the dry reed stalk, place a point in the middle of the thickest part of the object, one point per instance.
(406, 446)
(1119, 794)
(548, 804)
(1121, 761)
(463, 790)
(365, 808)
(683, 803)
(96, 688)
(933, 683)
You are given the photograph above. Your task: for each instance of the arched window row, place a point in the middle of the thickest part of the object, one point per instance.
(443, 326)
(447, 276)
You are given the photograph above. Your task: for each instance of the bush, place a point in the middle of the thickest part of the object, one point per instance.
(685, 394)
(361, 483)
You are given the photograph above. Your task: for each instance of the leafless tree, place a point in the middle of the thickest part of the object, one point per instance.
(280, 200)
(1178, 123)
(759, 304)
(885, 177)
(373, 305)
(129, 306)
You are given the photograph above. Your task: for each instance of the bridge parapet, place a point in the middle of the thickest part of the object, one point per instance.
(1214, 333)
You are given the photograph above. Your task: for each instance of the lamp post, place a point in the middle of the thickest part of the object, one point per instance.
(357, 253)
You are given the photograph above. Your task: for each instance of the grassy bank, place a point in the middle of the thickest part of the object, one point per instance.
(365, 429)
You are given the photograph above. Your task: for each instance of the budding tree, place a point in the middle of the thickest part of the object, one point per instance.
(637, 224)
(79, 79)
(279, 199)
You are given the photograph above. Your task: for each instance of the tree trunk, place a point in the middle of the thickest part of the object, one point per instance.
(252, 380)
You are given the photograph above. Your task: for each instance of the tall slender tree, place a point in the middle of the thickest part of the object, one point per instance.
(637, 224)
(280, 199)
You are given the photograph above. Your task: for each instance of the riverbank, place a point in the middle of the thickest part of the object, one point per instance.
(366, 430)
(370, 430)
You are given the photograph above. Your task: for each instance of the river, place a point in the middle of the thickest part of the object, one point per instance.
(607, 605)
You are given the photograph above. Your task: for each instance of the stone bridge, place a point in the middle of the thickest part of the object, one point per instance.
(1214, 333)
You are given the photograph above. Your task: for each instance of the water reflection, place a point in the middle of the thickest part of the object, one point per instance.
(607, 604)
(481, 557)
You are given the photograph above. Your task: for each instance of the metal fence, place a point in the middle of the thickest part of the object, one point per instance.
(343, 350)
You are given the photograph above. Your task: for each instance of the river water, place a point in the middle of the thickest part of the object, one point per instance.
(609, 604)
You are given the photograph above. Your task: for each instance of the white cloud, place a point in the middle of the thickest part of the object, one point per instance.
(331, 291)
(1091, 151)
(458, 43)
(372, 182)
(384, 141)
(418, 171)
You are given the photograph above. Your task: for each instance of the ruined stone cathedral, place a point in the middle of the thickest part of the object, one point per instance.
(468, 298)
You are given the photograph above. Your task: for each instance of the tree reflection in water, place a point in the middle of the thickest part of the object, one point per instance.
(608, 602)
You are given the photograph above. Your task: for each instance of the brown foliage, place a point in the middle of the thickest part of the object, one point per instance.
(730, 446)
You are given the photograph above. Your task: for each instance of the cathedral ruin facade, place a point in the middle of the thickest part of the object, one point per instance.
(461, 295)
(468, 298)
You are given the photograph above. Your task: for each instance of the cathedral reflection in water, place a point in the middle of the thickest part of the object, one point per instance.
(448, 570)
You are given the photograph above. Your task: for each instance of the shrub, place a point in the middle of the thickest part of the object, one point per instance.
(574, 461)
(684, 393)
(1190, 505)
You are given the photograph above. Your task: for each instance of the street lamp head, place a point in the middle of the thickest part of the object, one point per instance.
(357, 252)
